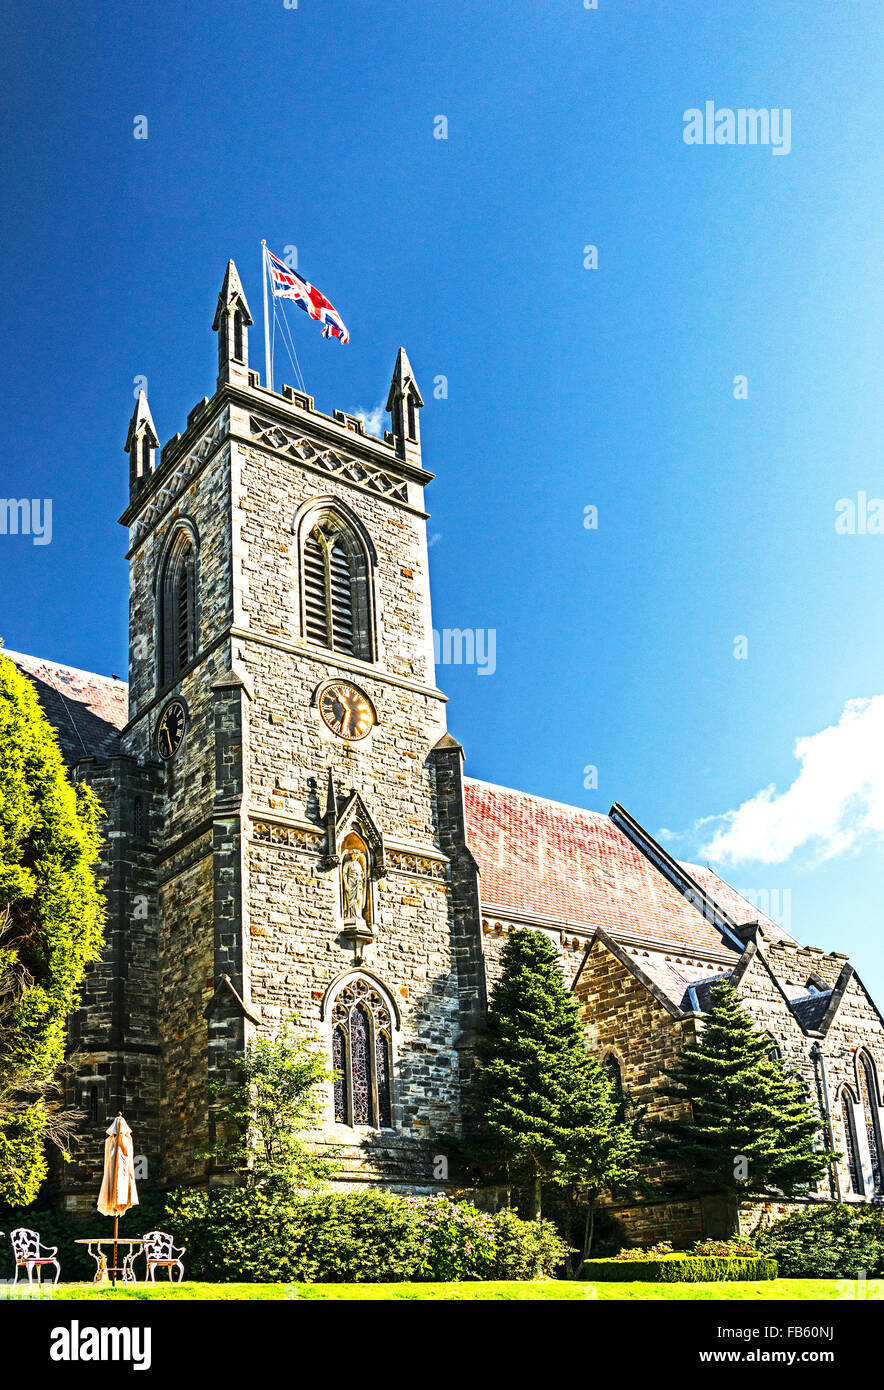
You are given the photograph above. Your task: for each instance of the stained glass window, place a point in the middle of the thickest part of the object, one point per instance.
(868, 1094)
(339, 1062)
(382, 1073)
(362, 1053)
(360, 1066)
(856, 1183)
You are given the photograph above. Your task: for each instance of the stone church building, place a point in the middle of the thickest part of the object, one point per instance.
(289, 828)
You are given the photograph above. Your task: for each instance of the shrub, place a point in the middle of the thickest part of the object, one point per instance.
(354, 1238)
(681, 1269)
(638, 1252)
(457, 1240)
(526, 1249)
(226, 1232)
(242, 1234)
(725, 1247)
(827, 1242)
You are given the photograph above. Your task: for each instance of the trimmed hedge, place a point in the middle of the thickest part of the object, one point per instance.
(681, 1269)
(827, 1242)
(245, 1235)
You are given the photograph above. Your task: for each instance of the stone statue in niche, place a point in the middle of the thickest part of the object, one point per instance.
(353, 879)
(356, 906)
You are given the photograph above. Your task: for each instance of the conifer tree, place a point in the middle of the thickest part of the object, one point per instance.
(51, 927)
(546, 1106)
(750, 1128)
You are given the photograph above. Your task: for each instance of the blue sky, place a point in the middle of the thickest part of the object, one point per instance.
(567, 387)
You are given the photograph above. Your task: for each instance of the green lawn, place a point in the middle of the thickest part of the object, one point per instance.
(779, 1289)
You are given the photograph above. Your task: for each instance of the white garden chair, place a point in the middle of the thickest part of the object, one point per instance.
(161, 1253)
(31, 1254)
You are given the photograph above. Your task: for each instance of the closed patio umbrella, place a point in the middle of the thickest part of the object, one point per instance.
(118, 1191)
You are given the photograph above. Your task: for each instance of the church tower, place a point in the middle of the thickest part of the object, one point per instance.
(308, 812)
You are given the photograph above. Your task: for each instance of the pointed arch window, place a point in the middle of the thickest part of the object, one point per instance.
(611, 1068)
(868, 1098)
(336, 605)
(177, 608)
(850, 1145)
(362, 1055)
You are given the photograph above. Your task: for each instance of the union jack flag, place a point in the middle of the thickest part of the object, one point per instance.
(288, 284)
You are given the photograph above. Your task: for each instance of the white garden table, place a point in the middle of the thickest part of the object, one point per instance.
(102, 1272)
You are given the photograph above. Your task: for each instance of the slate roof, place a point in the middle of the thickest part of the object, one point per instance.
(88, 711)
(699, 995)
(811, 1009)
(577, 866)
(685, 983)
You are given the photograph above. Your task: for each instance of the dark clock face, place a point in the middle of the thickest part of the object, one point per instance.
(170, 730)
(346, 711)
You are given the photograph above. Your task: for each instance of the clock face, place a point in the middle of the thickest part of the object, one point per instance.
(170, 730)
(346, 711)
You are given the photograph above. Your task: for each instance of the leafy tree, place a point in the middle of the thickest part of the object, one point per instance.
(260, 1119)
(750, 1128)
(51, 927)
(548, 1109)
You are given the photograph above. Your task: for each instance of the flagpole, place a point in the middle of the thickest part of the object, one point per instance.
(268, 365)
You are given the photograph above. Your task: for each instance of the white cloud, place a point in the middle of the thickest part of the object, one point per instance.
(372, 420)
(834, 804)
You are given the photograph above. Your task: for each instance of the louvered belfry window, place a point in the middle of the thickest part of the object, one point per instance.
(177, 616)
(335, 591)
(182, 615)
(315, 590)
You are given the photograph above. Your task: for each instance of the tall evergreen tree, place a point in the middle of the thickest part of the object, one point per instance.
(750, 1129)
(546, 1106)
(51, 927)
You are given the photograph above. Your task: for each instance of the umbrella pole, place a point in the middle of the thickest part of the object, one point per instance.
(116, 1233)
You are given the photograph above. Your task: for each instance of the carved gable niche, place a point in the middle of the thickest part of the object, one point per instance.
(356, 819)
(357, 852)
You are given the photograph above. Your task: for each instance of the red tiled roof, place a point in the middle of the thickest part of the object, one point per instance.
(87, 711)
(562, 862)
(734, 904)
